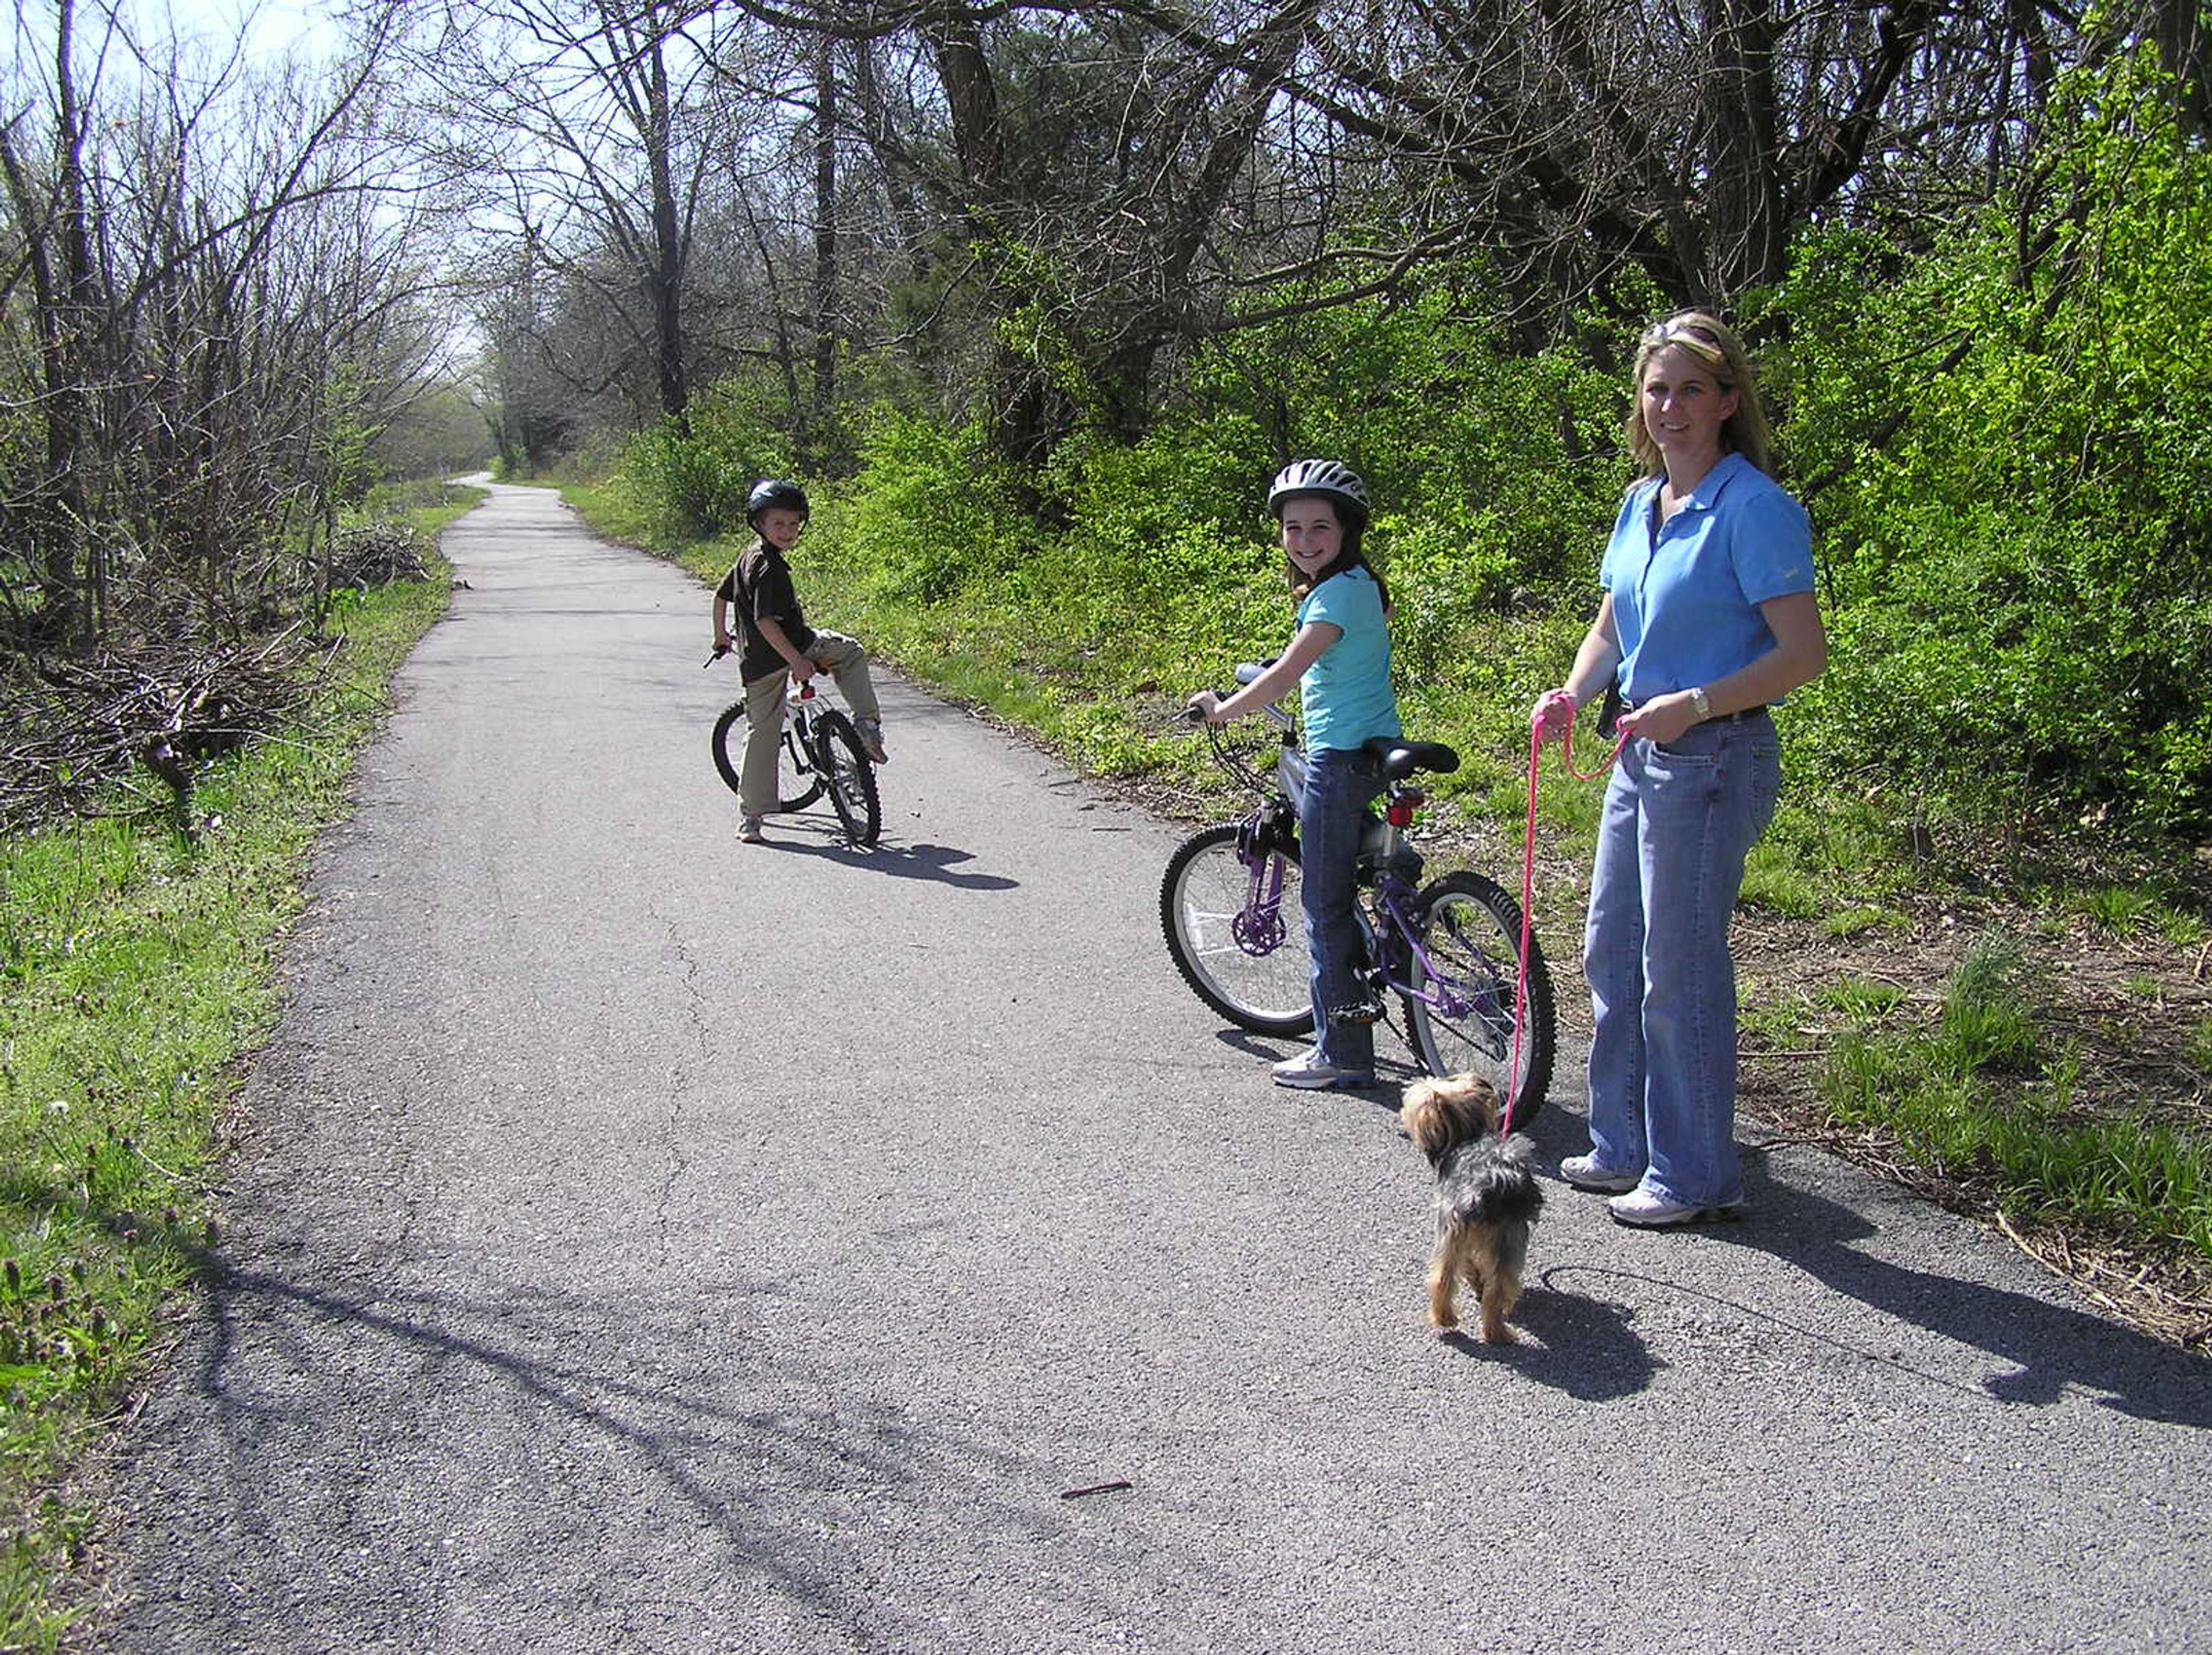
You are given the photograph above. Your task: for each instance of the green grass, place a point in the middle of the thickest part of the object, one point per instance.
(137, 967)
(1980, 1096)
(1868, 1001)
(2197, 1049)
(1859, 918)
(1777, 881)
(2118, 911)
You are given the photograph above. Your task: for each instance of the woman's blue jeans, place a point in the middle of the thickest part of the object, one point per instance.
(1340, 783)
(1677, 822)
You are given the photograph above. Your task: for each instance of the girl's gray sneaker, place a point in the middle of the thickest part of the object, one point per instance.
(1311, 1072)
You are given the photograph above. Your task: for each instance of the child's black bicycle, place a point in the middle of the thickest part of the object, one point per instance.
(1449, 951)
(820, 753)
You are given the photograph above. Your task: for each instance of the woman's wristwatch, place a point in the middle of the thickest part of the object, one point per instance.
(1702, 702)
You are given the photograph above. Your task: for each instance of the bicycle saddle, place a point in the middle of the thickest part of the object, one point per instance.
(1401, 758)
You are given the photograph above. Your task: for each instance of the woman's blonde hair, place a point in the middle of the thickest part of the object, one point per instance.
(1711, 340)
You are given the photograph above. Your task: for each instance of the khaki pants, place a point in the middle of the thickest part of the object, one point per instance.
(846, 663)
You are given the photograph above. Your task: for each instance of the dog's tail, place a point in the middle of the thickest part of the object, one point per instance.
(1497, 1181)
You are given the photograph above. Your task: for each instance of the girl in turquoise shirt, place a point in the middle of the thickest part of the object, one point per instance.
(1340, 659)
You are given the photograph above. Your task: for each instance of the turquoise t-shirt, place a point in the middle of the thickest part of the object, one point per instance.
(1345, 695)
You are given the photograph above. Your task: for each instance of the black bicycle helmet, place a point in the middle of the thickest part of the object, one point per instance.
(771, 492)
(1330, 478)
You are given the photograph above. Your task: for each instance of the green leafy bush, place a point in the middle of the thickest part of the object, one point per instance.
(2005, 445)
(692, 484)
(930, 510)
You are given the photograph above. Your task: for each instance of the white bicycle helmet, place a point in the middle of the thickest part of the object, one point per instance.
(1332, 479)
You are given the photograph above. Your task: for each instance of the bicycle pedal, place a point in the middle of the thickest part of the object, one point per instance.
(1360, 1011)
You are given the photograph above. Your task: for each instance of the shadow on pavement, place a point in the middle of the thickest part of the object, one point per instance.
(1585, 1347)
(939, 864)
(2053, 1348)
(746, 1459)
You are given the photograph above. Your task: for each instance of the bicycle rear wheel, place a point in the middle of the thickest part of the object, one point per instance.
(1242, 953)
(1461, 1019)
(851, 778)
(796, 783)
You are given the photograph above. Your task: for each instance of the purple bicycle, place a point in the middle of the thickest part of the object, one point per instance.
(1447, 951)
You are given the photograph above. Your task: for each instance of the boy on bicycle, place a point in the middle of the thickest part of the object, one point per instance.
(779, 646)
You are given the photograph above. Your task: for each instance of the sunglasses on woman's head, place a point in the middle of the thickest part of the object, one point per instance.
(1699, 342)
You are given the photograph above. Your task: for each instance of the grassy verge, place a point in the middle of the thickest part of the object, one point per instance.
(1980, 1089)
(139, 968)
(1984, 1084)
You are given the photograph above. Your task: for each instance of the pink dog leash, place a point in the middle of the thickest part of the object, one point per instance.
(1528, 866)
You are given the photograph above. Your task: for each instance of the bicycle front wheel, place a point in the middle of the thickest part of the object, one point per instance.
(1459, 1015)
(796, 784)
(850, 777)
(1240, 945)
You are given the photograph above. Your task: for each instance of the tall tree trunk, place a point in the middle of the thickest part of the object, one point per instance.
(665, 275)
(59, 249)
(2184, 44)
(1748, 233)
(827, 329)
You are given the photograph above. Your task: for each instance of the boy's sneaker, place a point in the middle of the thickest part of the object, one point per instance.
(749, 831)
(1311, 1072)
(871, 731)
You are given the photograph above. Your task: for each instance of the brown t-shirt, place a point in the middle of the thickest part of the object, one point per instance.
(759, 588)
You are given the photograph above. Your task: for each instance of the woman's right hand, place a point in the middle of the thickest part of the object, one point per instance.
(1204, 707)
(1553, 715)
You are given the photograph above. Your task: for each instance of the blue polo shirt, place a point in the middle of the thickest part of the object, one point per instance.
(1685, 602)
(1344, 697)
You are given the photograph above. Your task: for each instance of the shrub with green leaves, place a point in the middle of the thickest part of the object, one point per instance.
(692, 482)
(2005, 444)
(930, 509)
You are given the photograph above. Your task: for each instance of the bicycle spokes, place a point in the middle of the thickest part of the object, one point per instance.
(1463, 984)
(1258, 927)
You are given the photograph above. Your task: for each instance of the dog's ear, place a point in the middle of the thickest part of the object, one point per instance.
(1473, 1099)
(1484, 1097)
(1422, 1112)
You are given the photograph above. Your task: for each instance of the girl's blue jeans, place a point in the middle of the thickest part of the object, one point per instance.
(1677, 822)
(1340, 783)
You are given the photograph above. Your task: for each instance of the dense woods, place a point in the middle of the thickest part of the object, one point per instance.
(1032, 289)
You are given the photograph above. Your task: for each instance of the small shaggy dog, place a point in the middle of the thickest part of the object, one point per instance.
(1487, 1198)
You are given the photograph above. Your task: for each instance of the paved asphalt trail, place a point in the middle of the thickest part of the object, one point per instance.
(645, 1242)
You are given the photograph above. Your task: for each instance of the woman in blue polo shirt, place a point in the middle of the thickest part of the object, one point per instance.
(1340, 659)
(1708, 617)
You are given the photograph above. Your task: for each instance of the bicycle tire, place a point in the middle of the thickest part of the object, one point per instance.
(1262, 983)
(797, 787)
(1470, 930)
(850, 777)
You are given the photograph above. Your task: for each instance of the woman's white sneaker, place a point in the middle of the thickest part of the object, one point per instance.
(1584, 1173)
(1643, 1210)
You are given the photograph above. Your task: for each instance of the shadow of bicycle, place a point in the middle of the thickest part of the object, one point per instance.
(938, 864)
